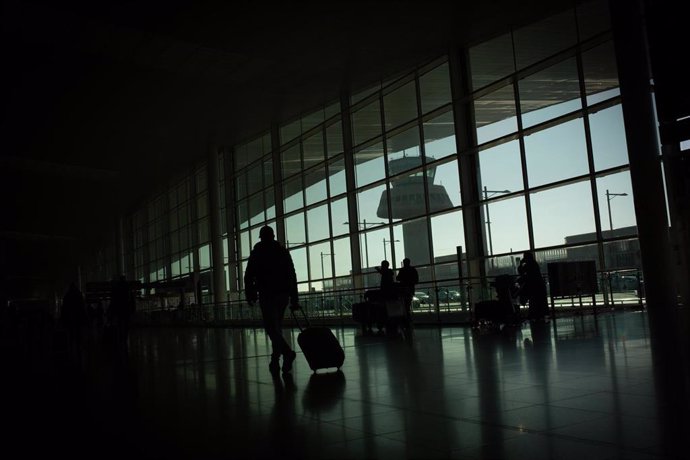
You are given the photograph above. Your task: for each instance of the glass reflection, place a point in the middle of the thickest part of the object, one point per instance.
(495, 114)
(439, 136)
(434, 88)
(550, 93)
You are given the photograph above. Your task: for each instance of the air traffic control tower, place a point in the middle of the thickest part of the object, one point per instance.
(408, 198)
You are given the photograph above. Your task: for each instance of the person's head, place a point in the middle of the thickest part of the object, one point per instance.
(266, 233)
(406, 262)
(527, 256)
(385, 264)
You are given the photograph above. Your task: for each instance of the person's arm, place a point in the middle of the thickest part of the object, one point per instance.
(292, 275)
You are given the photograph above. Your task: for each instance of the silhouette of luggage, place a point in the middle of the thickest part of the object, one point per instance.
(494, 311)
(319, 345)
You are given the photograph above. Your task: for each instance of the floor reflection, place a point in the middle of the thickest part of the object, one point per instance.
(574, 387)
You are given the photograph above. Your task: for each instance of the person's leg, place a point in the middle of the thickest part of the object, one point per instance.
(273, 310)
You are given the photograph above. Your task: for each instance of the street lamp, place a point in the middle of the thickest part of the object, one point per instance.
(323, 254)
(488, 220)
(385, 256)
(364, 223)
(609, 197)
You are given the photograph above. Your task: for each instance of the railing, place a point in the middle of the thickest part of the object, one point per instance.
(443, 302)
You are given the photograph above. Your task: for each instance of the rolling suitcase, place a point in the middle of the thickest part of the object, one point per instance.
(319, 345)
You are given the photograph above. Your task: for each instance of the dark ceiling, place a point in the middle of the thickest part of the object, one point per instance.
(104, 101)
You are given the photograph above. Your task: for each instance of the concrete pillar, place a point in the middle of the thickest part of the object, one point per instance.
(216, 233)
(645, 169)
(352, 216)
(465, 138)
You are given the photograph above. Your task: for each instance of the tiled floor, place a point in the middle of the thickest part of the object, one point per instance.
(581, 388)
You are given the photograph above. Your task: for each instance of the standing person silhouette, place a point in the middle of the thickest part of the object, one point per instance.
(408, 278)
(386, 279)
(270, 277)
(533, 288)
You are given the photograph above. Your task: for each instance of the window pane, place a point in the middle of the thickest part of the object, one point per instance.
(241, 186)
(500, 167)
(299, 259)
(491, 61)
(342, 256)
(317, 221)
(269, 200)
(411, 240)
(403, 151)
(204, 235)
(543, 39)
(205, 257)
(406, 196)
(447, 233)
(439, 137)
(243, 213)
(507, 225)
(561, 212)
(608, 138)
(320, 261)
(268, 171)
(372, 204)
(444, 186)
(556, 153)
(256, 209)
(290, 131)
(292, 193)
(336, 176)
(339, 213)
(313, 149)
(245, 245)
(255, 178)
(434, 88)
(550, 93)
(495, 114)
(366, 123)
(202, 205)
(294, 230)
(371, 243)
(621, 207)
(291, 161)
(334, 138)
(601, 73)
(316, 185)
(369, 166)
(400, 106)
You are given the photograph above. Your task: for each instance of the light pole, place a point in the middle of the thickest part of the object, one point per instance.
(323, 254)
(364, 224)
(385, 256)
(609, 197)
(488, 220)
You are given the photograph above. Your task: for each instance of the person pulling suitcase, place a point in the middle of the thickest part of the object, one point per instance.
(270, 277)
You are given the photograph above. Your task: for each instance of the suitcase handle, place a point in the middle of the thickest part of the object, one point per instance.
(306, 320)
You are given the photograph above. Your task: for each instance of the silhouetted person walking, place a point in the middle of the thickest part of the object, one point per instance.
(73, 316)
(121, 308)
(532, 287)
(408, 278)
(270, 277)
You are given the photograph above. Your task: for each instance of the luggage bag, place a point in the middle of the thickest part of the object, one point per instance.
(319, 345)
